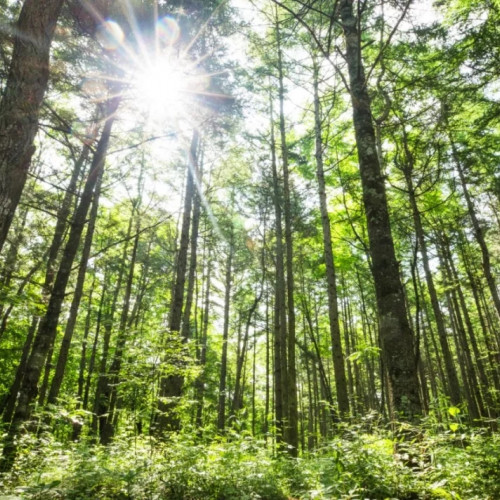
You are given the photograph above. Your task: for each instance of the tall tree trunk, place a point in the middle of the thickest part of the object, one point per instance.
(77, 297)
(200, 381)
(280, 326)
(331, 279)
(221, 408)
(76, 423)
(8, 270)
(396, 335)
(109, 389)
(171, 385)
(11, 257)
(461, 315)
(240, 359)
(408, 168)
(487, 337)
(21, 101)
(84, 382)
(193, 254)
(478, 230)
(52, 254)
(292, 432)
(48, 328)
(101, 404)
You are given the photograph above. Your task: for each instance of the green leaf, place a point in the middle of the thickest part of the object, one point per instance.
(453, 411)
(454, 427)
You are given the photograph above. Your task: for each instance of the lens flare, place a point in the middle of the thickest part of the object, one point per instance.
(94, 88)
(110, 35)
(168, 30)
(160, 87)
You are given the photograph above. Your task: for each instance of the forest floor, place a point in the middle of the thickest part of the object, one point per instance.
(356, 464)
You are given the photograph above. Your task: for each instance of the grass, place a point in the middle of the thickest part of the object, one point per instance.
(353, 465)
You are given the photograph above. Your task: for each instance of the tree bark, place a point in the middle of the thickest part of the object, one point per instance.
(331, 278)
(200, 381)
(20, 105)
(109, 390)
(9, 404)
(396, 335)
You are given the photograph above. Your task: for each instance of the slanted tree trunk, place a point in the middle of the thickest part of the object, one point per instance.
(48, 328)
(57, 240)
(488, 338)
(460, 316)
(21, 101)
(396, 335)
(11, 257)
(8, 271)
(77, 297)
(100, 405)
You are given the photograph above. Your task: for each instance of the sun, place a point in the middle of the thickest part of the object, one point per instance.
(160, 87)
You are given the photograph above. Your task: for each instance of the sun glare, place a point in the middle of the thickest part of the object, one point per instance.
(160, 87)
(159, 76)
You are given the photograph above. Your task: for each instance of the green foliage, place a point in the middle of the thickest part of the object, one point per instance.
(354, 465)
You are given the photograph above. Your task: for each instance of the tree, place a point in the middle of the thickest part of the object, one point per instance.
(21, 101)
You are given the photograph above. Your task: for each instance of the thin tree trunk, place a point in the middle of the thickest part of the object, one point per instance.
(171, 386)
(77, 297)
(195, 224)
(109, 391)
(76, 423)
(221, 408)
(200, 382)
(451, 373)
(237, 398)
(84, 382)
(291, 432)
(100, 403)
(482, 320)
(478, 231)
(280, 324)
(331, 279)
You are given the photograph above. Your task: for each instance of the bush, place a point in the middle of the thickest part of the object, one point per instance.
(356, 465)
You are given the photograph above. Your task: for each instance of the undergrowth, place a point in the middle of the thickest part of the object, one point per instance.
(354, 465)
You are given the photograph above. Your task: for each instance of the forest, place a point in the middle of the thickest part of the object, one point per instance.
(249, 249)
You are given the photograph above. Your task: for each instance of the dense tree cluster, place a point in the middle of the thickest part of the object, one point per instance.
(292, 228)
